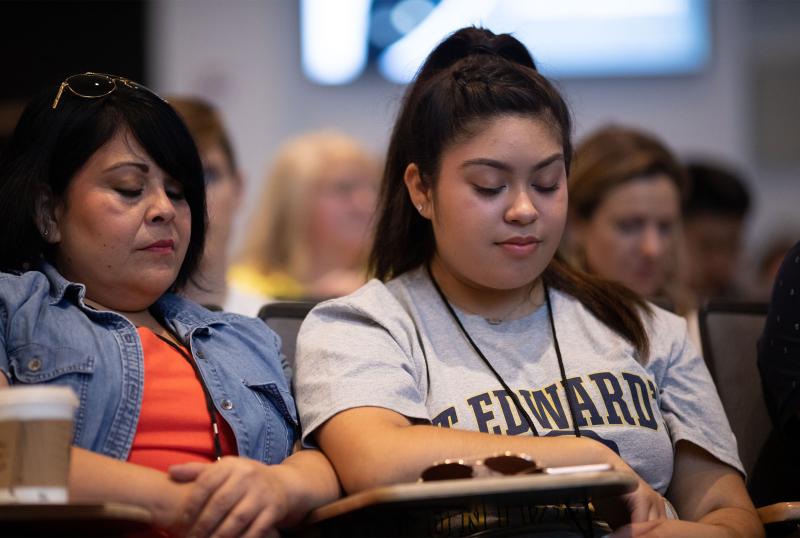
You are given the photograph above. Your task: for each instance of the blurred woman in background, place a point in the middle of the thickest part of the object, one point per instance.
(311, 232)
(223, 196)
(625, 191)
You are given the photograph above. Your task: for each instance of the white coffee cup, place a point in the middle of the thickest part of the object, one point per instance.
(35, 443)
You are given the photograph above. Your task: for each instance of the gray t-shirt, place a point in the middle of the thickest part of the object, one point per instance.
(396, 346)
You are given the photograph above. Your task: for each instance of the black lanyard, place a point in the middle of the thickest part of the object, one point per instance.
(209, 402)
(589, 531)
(511, 394)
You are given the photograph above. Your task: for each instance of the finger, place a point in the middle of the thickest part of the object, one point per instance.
(239, 518)
(186, 472)
(204, 487)
(263, 526)
(216, 509)
(657, 510)
(644, 506)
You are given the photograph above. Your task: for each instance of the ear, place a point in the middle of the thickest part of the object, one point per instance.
(418, 190)
(48, 214)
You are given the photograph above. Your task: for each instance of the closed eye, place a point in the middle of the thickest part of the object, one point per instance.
(488, 191)
(547, 188)
(130, 193)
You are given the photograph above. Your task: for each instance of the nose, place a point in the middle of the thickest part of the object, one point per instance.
(653, 244)
(161, 207)
(522, 209)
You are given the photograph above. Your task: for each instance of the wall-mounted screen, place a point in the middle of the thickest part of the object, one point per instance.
(568, 38)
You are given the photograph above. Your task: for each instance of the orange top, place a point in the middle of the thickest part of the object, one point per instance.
(174, 424)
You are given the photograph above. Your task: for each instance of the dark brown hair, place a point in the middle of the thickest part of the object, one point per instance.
(615, 155)
(49, 146)
(472, 77)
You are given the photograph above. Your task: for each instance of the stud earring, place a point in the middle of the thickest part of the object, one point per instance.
(45, 232)
(419, 208)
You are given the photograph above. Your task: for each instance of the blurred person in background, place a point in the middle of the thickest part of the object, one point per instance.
(223, 196)
(768, 264)
(714, 214)
(626, 189)
(311, 232)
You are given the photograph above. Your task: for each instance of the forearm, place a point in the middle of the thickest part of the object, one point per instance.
(371, 447)
(310, 482)
(94, 478)
(735, 522)
(709, 492)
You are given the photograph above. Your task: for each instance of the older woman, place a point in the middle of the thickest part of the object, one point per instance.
(102, 203)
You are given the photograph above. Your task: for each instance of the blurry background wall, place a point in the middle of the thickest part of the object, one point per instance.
(244, 55)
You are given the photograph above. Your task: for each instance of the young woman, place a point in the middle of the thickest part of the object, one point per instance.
(626, 190)
(474, 339)
(102, 203)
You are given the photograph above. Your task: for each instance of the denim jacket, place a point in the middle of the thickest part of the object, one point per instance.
(50, 336)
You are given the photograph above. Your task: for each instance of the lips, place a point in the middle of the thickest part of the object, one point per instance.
(521, 241)
(520, 247)
(161, 246)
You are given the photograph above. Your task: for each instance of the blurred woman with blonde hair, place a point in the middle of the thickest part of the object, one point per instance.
(310, 234)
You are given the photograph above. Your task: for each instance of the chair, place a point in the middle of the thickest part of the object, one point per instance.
(285, 317)
(729, 332)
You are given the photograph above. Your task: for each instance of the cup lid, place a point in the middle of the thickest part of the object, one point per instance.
(37, 394)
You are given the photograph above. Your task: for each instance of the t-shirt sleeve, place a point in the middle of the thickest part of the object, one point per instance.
(357, 352)
(690, 403)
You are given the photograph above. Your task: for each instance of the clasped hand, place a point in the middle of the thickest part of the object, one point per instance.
(233, 497)
(640, 505)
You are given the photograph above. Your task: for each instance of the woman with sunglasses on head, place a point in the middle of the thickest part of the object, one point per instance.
(102, 203)
(464, 343)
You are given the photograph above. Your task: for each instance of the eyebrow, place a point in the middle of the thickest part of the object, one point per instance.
(141, 166)
(500, 165)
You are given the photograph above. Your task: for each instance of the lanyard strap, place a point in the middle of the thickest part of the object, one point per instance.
(206, 394)
(499, 378)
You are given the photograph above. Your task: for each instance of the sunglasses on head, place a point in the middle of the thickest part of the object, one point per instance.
(95, 85)
(506, 463)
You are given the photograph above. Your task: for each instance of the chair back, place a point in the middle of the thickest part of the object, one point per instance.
(729, 332)
(285, 318)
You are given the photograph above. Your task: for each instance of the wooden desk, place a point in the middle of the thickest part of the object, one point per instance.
(428, 508)
(110, 519)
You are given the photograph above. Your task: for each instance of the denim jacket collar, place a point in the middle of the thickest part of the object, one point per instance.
(183, 315)
(60, 286)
